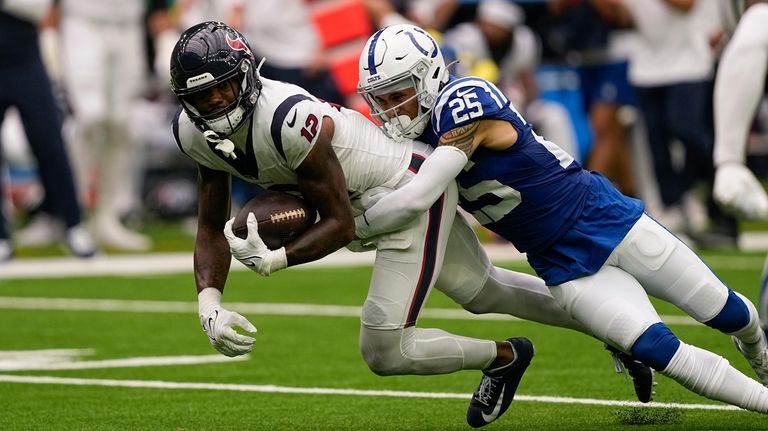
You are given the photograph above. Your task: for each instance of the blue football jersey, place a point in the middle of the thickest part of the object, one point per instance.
(533, 194)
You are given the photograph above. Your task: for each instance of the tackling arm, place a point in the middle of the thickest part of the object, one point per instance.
(456, 146)
(398, 208)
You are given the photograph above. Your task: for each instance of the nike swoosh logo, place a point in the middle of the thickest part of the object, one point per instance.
(463, 92)
(211, 322)
(495, 413)
(293, 120)
(247, 260)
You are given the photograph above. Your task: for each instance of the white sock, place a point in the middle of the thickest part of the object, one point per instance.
(710, 375)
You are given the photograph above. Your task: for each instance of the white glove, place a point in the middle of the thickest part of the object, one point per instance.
(218, 324)
(737, 189)
(252, 252)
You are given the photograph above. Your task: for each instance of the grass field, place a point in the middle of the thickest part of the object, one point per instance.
(116, 353)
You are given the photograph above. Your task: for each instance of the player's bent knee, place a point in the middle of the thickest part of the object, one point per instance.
(380, 350)
(734, 315)
(656, 346)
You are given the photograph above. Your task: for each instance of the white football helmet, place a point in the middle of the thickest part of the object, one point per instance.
(398, 57)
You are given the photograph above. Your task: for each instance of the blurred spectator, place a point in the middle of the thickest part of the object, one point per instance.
(587, 38)
(283, 33)
(672, 69)
(429, 14)
(24, 85)
(497, 46)
(104, 73)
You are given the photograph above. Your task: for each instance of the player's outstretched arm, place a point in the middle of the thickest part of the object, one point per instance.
(322, 183)
(398, 208)
(212, 257)
(211, 263)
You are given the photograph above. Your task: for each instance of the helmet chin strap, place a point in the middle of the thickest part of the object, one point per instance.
(226, 146)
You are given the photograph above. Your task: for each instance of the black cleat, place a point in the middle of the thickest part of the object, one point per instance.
(642, 375)
(497, 389)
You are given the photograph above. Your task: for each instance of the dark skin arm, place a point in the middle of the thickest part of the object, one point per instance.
(212, 257)
(321, 182)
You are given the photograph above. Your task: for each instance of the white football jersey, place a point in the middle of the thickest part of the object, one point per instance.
(284, 128)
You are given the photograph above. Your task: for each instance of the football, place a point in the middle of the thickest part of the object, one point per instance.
(281, 217)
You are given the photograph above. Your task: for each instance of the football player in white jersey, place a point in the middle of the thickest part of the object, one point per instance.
(277, 135)
(234, 122)
(600, 255)
(739, 88)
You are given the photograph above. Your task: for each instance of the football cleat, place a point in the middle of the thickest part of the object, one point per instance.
(642, 375)
(6, 250)
(79, 242)
(758, 361)
(497, 388)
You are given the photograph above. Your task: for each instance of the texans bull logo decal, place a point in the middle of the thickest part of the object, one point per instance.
(238, 44)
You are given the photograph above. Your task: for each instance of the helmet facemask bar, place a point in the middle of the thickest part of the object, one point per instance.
(227, 120)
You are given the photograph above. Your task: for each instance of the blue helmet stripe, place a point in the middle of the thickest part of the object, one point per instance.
(371, 50)
(434, 44)
(413, 39)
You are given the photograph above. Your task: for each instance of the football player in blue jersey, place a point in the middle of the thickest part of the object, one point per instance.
(598, 252)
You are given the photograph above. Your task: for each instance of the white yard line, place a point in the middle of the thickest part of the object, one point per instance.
(273, 389)
(252, 308)
(149, 361)
(174, 263)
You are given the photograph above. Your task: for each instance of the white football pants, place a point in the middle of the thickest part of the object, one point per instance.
(614, 305)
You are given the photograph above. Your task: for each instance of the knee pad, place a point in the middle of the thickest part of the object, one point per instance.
(656, 346)
(380, 350)
(735, 314)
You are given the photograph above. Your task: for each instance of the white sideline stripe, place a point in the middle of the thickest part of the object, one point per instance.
(159, 384)
(174, 263)
(253, 308)
(149, 361)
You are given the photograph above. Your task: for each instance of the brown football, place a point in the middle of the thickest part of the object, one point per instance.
(281, 217)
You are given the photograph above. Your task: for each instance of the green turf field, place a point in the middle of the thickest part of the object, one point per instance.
(305, 372)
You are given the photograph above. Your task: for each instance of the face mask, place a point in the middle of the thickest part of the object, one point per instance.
(227, 123)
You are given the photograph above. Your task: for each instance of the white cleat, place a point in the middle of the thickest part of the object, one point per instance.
(114, 235)
(758, 361)
(79, 242)
(6, 250)
(41, 231)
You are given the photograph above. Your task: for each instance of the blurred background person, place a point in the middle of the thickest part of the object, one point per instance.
(282, 32)
(434, 15)
(739, 89)
(588, 35)
(497, 46)
(672, 69)
(24, 85)
(103, 52)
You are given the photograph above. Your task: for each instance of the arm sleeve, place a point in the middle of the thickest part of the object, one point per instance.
(739, 83)
(400, 207)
